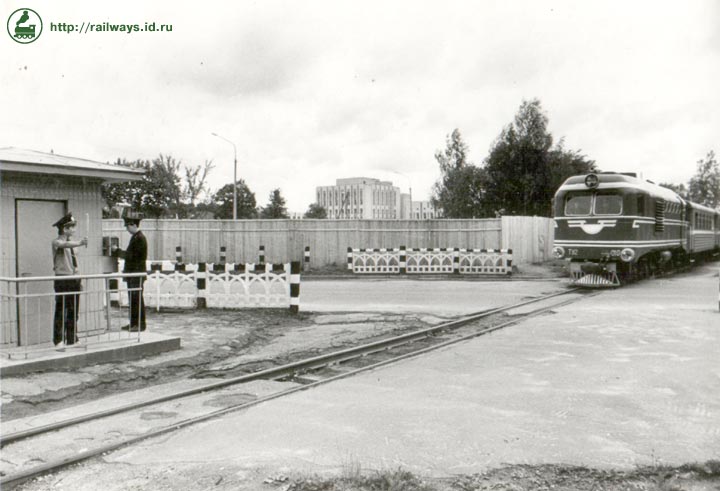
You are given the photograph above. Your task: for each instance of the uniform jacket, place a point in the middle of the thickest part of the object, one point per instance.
(135, 255)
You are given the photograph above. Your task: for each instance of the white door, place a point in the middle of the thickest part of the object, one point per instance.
(34, 235)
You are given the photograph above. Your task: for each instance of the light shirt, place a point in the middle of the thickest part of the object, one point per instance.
(64, 260)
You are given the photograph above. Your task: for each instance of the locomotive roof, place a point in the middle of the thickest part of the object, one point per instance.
(615, 181)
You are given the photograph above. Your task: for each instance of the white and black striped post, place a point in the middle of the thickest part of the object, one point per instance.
(223, 255)
(178, 255)
(261, 254)
(403, 260)
(509, 261)
(349, 258)
(294, 287)
(201, 282)
(456, 260)
(306, 263)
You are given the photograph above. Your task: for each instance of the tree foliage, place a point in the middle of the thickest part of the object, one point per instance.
(704, 187)
(275, 207)
(315, 210)
(459, 191)
(525, 169)
(222, 202)
(161, 192)
(520, 174)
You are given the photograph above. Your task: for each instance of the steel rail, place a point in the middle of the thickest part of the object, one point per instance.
(276, 372)
(23, 476)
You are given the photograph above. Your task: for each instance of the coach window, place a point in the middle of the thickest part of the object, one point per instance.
(576, 205)
(608, 204)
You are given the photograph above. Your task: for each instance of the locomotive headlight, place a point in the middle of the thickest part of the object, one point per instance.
(558, 252)
(627, 254)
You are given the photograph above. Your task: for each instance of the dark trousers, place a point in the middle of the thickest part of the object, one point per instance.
(67, 310)
(137, 302)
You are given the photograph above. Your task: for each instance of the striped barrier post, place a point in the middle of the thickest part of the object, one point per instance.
(349, 258)
(201, 282)
(261, 254)
(509, 261)
(306, 264)
(178, 254)
(223, 254)
(456, 260)
(403, 260)
(294, 287)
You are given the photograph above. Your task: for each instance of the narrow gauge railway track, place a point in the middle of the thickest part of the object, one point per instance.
(50, 447)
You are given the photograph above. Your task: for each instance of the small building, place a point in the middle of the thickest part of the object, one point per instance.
(36, 189)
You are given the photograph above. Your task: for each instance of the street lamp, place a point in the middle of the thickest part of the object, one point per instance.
(234, 175)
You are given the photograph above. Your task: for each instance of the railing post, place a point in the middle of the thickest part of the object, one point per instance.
(201, 283)
(261, 254)
(403, 260)
(294, 287)
(456, 260)
(349, 258)
(108, 301)
(306, 264)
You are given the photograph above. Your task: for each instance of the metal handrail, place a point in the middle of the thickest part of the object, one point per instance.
(24, 279)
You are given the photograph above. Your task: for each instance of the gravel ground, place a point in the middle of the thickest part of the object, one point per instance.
(233, 343)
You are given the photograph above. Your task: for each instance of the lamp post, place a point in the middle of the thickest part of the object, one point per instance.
(234, 175)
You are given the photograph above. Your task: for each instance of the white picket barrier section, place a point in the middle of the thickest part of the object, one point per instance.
(430, 261)
(366, 261)
(227, 286)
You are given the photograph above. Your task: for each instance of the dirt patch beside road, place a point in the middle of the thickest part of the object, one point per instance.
(215, 344)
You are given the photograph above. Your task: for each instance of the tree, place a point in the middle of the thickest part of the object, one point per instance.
(524, 169)
(315, 210)
(223, 201)
(704, 187)
(161, 192)
(459, 192)
(678, 188)
(276, 206)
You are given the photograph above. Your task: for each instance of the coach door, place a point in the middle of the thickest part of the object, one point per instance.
(34, 235)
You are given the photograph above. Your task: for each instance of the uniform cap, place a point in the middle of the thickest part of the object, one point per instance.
(64, 221)
(132, 218)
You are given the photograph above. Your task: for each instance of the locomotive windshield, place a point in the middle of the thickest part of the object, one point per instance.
(595, 204)
(608, 204)
(578, 204)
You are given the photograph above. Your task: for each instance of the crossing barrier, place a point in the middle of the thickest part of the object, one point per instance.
(226, 285)
(430, 261)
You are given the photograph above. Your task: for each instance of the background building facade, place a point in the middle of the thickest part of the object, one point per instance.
(360, 197)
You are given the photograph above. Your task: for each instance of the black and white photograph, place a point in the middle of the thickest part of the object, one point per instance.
(325, 245)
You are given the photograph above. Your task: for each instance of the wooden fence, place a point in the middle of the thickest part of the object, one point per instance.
(285, 240)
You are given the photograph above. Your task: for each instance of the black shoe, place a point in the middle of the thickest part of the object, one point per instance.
(135, 329)
(126, 327)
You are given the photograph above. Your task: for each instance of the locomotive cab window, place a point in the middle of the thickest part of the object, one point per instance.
(578, 205)
(608, 204)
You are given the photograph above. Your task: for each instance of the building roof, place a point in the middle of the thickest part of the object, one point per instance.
(34, 162)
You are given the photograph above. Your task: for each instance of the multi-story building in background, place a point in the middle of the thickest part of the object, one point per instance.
(360, 197)
(424, 210)
(369, 198)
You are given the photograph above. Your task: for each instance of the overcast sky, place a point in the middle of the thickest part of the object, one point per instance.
(311, 91)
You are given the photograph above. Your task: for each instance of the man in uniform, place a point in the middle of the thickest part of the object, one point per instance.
(67, 298)
(135, 256)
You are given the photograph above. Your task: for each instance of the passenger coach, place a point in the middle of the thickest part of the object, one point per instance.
(613, 227)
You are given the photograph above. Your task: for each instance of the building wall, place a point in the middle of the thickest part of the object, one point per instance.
(83, 198)
(360, 197)
(424, 210)
(285, 240)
